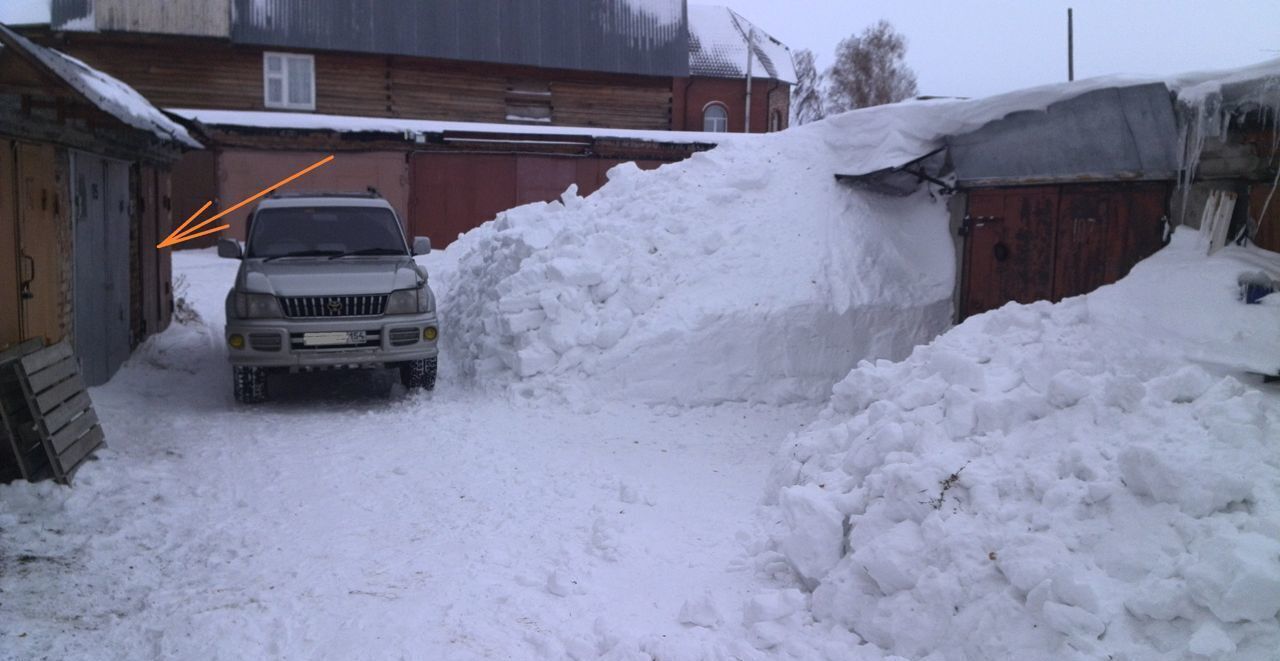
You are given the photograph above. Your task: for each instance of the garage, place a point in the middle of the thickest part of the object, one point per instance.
(1033, 243)
(1059, 202)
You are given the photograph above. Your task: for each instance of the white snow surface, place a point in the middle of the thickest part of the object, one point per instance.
(746, 273)
(109, 94)
(1081, 480)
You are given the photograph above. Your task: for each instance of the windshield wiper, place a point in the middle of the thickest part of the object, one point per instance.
(306, 253)
(368, 251)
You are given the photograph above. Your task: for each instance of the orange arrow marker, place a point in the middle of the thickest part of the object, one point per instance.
(184, 234)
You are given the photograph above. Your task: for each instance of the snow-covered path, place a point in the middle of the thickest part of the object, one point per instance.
(340, 523)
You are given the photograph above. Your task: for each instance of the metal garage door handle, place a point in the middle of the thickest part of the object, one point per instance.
(26, 284)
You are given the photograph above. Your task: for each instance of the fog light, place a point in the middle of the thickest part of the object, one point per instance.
(429, 333)
(236, 341)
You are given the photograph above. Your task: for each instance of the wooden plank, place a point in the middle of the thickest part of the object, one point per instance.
(12, 427)
(67, 436)
(15, 447)
(21, 349)
(67, 411)
(47, 378)
(46, 357)
(77, 453)
(47, 400)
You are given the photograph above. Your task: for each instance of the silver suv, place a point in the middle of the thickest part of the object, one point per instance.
(327, 281)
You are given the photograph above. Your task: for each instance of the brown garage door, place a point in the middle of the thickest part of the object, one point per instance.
(454, 193)
(10, 259)
(1050, 242)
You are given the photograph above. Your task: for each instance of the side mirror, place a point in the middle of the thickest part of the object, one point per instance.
(230, 249)
(421, 245)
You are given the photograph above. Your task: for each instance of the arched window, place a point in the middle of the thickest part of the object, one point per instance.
(775, 121)
(715, 119)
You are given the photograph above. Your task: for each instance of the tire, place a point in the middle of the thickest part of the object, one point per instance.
(250, 384)
(419, 374)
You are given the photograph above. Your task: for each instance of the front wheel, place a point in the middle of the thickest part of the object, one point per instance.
(419, 374)
(250, 384)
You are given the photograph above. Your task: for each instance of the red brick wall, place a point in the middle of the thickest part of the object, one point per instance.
(689, 96)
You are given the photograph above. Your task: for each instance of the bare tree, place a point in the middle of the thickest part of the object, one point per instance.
(869, 70)
(806, 96)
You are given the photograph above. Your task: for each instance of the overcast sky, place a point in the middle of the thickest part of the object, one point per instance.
(981, 47)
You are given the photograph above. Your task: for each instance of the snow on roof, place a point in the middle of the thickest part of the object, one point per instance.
(351, 124)
(1254, 84)
(665, 12)
(24, 12)
(107, 93)
(718, 38)
(892, 135)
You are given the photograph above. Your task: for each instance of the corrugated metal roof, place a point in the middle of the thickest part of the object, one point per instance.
(718, 46)
(1114, 133)
(645, 37)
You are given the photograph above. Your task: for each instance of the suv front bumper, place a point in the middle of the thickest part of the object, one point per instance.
(280, 343)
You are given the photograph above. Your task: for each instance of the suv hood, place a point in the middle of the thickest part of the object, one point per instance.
(321, 276)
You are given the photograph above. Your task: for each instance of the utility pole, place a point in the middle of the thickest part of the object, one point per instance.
(1071, 48)
(751, 42)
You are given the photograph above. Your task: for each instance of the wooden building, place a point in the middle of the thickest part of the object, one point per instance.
(84, 181)
(277, 84)
(651, 65)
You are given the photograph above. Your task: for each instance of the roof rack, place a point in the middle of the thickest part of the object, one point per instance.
(369, 192)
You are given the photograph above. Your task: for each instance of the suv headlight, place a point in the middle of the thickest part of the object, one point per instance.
(257, 306)
(403, 301)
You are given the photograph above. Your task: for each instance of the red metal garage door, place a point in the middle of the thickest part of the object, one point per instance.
(453, 193)
(1008, 247)
(1052, 242)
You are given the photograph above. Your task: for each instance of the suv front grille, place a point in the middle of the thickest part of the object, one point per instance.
(316, 307)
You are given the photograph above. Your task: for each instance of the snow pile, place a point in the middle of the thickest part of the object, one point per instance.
(744, 273)
(1054, 480)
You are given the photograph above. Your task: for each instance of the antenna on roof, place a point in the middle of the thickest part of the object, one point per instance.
(1071, 48)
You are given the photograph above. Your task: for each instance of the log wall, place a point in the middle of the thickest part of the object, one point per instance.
(214, 74)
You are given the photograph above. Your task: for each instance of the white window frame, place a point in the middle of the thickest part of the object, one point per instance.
(283, 77)
(725, 119)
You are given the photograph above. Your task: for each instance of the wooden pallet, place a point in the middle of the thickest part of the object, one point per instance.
(58, 413)
(22, 454)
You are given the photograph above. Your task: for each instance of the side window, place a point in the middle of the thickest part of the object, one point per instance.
(715, 119)
(288, 81)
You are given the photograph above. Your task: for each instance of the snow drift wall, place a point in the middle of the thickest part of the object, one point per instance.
(1054, 480)
(743, 273)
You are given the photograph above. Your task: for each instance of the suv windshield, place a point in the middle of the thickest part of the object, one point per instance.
(331, 231)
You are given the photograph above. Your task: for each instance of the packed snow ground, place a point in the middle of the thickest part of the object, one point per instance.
(340, 523)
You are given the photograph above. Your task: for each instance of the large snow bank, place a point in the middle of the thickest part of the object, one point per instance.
(743, 273)
(1071, 480)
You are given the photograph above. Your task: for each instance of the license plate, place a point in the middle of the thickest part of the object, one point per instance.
(336, 338)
